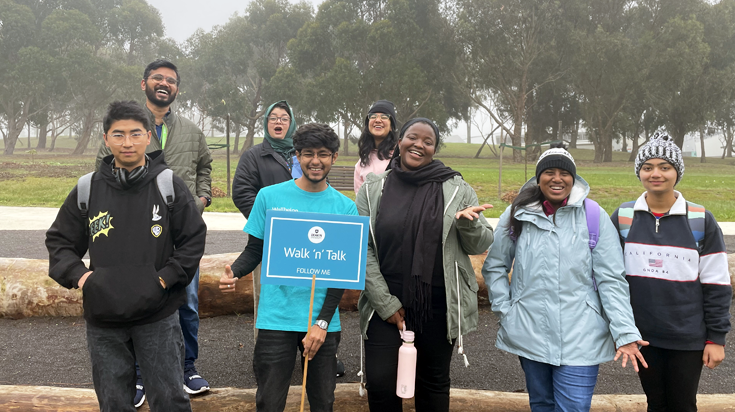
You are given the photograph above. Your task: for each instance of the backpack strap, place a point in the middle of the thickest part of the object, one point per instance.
(165, 183)
(84, 187)
(625, 218)
(592, 210)
(592, 213)
(695, 215)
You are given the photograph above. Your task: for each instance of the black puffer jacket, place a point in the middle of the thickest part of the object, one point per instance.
(259, 167)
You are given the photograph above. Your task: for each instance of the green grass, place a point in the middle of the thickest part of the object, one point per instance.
(48, 180)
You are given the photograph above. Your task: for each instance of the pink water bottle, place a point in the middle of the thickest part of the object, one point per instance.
(406, 383)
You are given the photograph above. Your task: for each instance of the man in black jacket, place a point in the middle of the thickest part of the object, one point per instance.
(143, 254)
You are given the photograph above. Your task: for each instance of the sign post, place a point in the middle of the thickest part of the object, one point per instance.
(314, 250)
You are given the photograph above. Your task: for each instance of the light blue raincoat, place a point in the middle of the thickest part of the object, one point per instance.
(551, 312)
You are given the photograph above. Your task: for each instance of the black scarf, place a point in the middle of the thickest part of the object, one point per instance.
(422, 232)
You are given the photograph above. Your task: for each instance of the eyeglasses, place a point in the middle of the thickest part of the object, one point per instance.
(275, 119)
(119, 138)
(158, 78)
(376, 116)
(320, 155)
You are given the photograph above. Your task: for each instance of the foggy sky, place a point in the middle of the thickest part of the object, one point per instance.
(181, 18)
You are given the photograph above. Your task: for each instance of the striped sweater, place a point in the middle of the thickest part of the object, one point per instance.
(680, 290)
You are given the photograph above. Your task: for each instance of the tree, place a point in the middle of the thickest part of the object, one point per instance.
(505, 42)
(234, 64)
(358, 51)
(605, 66)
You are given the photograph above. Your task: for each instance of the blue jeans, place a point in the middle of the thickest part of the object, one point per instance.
(189, 318)
(273, 364)
(559, 388)
(158, 347)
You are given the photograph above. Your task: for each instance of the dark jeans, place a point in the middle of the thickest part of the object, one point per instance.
(434, 354)
(189, 320)
(189, 317)
(273, 364)
(672, 379)
(159, 349)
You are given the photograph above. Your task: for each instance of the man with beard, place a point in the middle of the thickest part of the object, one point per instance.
(187, 155)
(283, 311)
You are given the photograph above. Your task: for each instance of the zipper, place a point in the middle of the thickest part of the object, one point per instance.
(657, 219)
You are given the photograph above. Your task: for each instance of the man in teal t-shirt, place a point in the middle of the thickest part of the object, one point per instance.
(283, 310)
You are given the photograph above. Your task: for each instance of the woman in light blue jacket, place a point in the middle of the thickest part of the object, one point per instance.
(551, 313)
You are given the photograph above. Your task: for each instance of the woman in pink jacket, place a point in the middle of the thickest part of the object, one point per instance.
(376, 142)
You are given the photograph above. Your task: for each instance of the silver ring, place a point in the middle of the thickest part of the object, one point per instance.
(229, 286)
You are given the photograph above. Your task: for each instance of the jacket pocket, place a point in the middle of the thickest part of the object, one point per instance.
(467, 284)
(123, 294)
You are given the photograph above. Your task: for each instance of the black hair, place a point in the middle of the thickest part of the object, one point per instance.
(366, 145)
(281, 105)
(526, 197)
(125, 110)
(314, 136)
(157, 64)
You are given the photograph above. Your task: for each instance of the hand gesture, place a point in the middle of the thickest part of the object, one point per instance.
(228, 281)
(472, 212)
(630, 351)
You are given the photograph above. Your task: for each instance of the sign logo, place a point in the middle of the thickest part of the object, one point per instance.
(156, 216)
(100, 225)
(156, 230)
(316, 234)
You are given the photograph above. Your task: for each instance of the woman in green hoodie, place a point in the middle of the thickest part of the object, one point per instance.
(273, 161)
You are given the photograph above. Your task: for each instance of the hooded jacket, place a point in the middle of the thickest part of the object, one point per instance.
(133, 240)
(187, 154)
(259, 167)
(550, 311)
(460, 238)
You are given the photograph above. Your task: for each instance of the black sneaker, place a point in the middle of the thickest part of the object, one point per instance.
(193, 383)
(340, 368)
(139, 393)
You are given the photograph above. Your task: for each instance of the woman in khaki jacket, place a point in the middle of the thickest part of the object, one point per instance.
(425, 222)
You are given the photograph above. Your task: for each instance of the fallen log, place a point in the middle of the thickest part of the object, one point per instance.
(26, 290)
(48, 399)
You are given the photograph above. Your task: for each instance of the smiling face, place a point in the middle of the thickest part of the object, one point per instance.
(658, 176)
(126, 143)
(379, 126)
(316, 163)
(160, 92)
(417, 147)
(555, 184)
(278, 129)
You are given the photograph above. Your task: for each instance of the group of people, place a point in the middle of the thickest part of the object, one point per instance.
(573, 288)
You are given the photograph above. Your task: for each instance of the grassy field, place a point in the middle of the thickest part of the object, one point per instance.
(44, 179)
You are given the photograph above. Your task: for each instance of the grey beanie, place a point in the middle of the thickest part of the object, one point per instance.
(661, 146)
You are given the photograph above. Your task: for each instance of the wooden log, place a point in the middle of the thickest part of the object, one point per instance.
(26, 290)
(48, 399)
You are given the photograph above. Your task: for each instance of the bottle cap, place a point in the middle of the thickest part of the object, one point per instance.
(407, 336)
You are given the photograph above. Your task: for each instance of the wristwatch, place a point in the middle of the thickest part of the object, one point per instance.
(322, 324)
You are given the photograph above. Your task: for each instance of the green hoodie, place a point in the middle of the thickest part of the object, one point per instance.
(283, 146)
